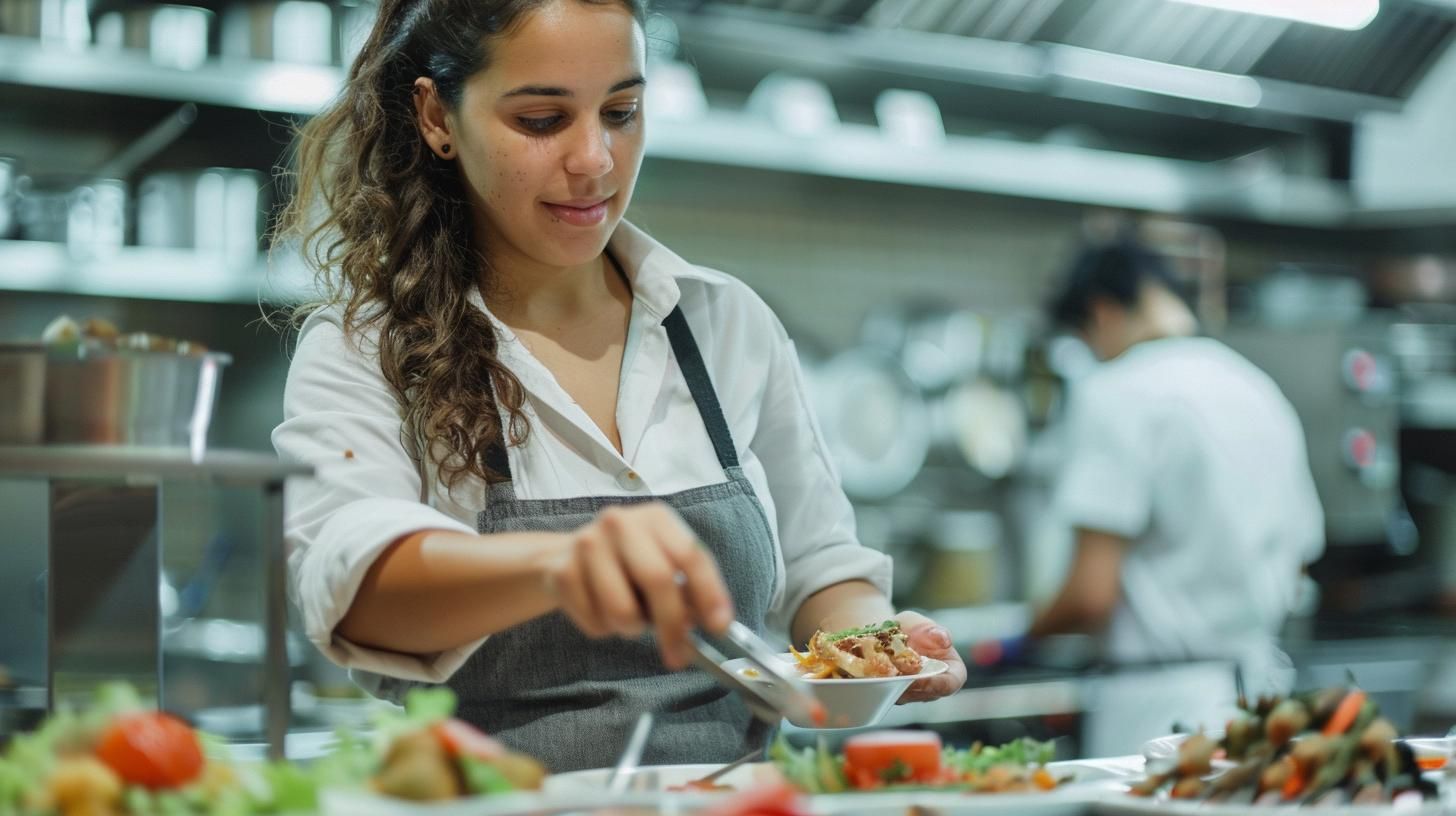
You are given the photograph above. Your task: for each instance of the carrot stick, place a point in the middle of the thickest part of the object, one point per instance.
(1295, 783)
(1345, 714)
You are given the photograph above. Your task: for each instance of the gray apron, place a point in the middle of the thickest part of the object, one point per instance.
(545, 688)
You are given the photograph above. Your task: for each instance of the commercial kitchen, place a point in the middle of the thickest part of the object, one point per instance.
(907, 186)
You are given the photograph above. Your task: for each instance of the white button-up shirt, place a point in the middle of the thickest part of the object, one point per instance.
(1186, 449)
(342, 416)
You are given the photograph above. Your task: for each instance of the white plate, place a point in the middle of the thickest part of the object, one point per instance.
(657, 778)
(1165, 749)
(1133, 806)
(848, 702)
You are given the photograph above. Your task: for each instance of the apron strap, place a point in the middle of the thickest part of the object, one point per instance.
(690, 361)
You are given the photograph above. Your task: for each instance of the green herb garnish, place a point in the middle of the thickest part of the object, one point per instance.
(861, 631)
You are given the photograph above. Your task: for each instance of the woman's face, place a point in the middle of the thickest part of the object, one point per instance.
(550, 134)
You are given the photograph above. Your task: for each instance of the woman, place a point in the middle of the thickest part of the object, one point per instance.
(541, 434)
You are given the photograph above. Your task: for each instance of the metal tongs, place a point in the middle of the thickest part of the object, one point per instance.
(777, 693)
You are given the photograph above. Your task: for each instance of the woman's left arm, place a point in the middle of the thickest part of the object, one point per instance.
(856, 603)
(832, 580)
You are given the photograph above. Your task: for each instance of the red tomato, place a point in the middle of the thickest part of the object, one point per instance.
(460, 738)
(151, 749)
(893, 756)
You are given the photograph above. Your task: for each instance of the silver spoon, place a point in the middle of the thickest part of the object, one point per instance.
(631, 755)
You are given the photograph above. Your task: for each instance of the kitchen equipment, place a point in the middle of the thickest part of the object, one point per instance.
(961, 567)
(92, 395)
(219, 211)
(22, 408)
(713, 776)
(631, 754)
(938, 346)
(354, 22)
(777, 691)
(1414, 279)
(847, 703)
(910, 118)
(796, 105)
(173, 36)
(984, 423)
(105, 535)
(1341, 379)
(874, 420)
(676, 91)
(12, 183)
(207, 660)
(88, 214)
(61, 22)
(297, 31)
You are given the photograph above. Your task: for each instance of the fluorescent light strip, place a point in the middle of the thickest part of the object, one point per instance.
(1156, 77)
(1351, 15)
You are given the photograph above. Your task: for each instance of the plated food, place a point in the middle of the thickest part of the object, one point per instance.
(879, 650)
(916, 761)
(848, 702)
(425, 754)
(119, 758)
(1327, 747)
(101, 333)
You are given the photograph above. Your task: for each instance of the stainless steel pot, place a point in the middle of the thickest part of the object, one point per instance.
(172, 35)
(11, 184)
(221, 211)
(87, 394)
(353, 26)
(87, 215)
(875, 422)
(54, 21)
(298, 31)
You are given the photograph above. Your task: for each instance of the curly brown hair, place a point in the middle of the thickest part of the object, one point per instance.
(387, 228)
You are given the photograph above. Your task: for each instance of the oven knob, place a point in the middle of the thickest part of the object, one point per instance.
(1375, 464)
(1359, 448)
(1363, 372)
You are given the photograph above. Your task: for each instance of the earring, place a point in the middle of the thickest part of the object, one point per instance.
(445, 149)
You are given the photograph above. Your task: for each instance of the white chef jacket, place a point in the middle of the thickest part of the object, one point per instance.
(341, 416)
(1186, 449)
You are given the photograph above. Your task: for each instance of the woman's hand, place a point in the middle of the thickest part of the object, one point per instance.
(932, 640)
(638, 566)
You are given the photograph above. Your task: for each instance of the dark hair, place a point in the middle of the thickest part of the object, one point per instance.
(387, 227)
(1116, 271)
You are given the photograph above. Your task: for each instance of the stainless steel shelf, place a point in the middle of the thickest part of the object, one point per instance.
(735, 139)
(250, 84)
(118, 462)
(146, 272)
(1025, 169)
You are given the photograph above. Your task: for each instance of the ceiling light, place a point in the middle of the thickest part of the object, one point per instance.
(1351, 15)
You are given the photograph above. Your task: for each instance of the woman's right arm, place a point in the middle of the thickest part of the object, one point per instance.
(389, 584)
(438, 589)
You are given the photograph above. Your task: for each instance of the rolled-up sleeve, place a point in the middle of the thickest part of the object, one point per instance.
(815, 519)
(341, 416)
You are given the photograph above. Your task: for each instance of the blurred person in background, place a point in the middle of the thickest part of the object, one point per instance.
(1185, 479)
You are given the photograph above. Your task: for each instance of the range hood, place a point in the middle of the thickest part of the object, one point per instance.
(1174, 105)
(1167, 57)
